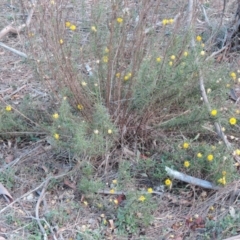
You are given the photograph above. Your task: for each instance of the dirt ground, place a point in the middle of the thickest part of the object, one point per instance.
(42, 180)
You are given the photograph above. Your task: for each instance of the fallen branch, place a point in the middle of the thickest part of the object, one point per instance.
(13, 50)
(191, 180)
(18, 29)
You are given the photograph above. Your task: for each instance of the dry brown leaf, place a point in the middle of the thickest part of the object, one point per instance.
(69, 184)
(111, 223)
(9, 158)
(4, 191)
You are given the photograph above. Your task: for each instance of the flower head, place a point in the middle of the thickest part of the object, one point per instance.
(150, 190)
(56, 136)
(233, 75)
(80, 106)
(222, 180)
(185, 145)
(233, 121)
(171, 20)
(61, 41)
(173, 57)
(142, 198)
(84, 84)
(168, 182)
(202, 53)
(105, 59)
(185, 53)
(115, 201)
(96, 131)
(165, 22)
(210, 157)
(72, 27)
(199, 38)
(214, 113)
(119, 20)
(109, 131)
(158, 59)
(55, 116)
(67, 24)
(94, 29)
(186, 164)
(199, 155)
(118, 75)
(8, 108)
(112, 191)
(170, 63)
(114, 181)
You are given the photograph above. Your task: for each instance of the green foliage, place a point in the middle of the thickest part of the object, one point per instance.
(135, 213)
(227, 226)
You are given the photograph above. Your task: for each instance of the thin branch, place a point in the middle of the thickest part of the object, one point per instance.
(13, 50)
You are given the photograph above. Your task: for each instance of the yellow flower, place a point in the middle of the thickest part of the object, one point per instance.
(209, 90)
(126, 77)
(222, 180)
(118, 75)
(142, 198)
(85, 203)
(237, 152)
(119, 20)
(67, 24)
(72, 27)
(228, 85)
(212, 208)
(106, 50)
(224, 173)
(61, 41)
(185, 53)
(96, 131)
(233, 121)
(56, 136)
(168, 182)
(80, 106)
(115, 201)
(112, 191)
(93, 28)
(150, 190)
(202, 53)
(210, 157)
(158, 59)
(105, 59)
(214, 113)
(109, 131)
(233, 75)
(171, 20)
(173, 57)
(129, 74)
(55, 116)
(170, 63)
(237, 111)
(199, 155)
(186, 164)
(199, 38)
(8, 108)
(114, 181)
(185, 145)
(84, 84)
(165, 22)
